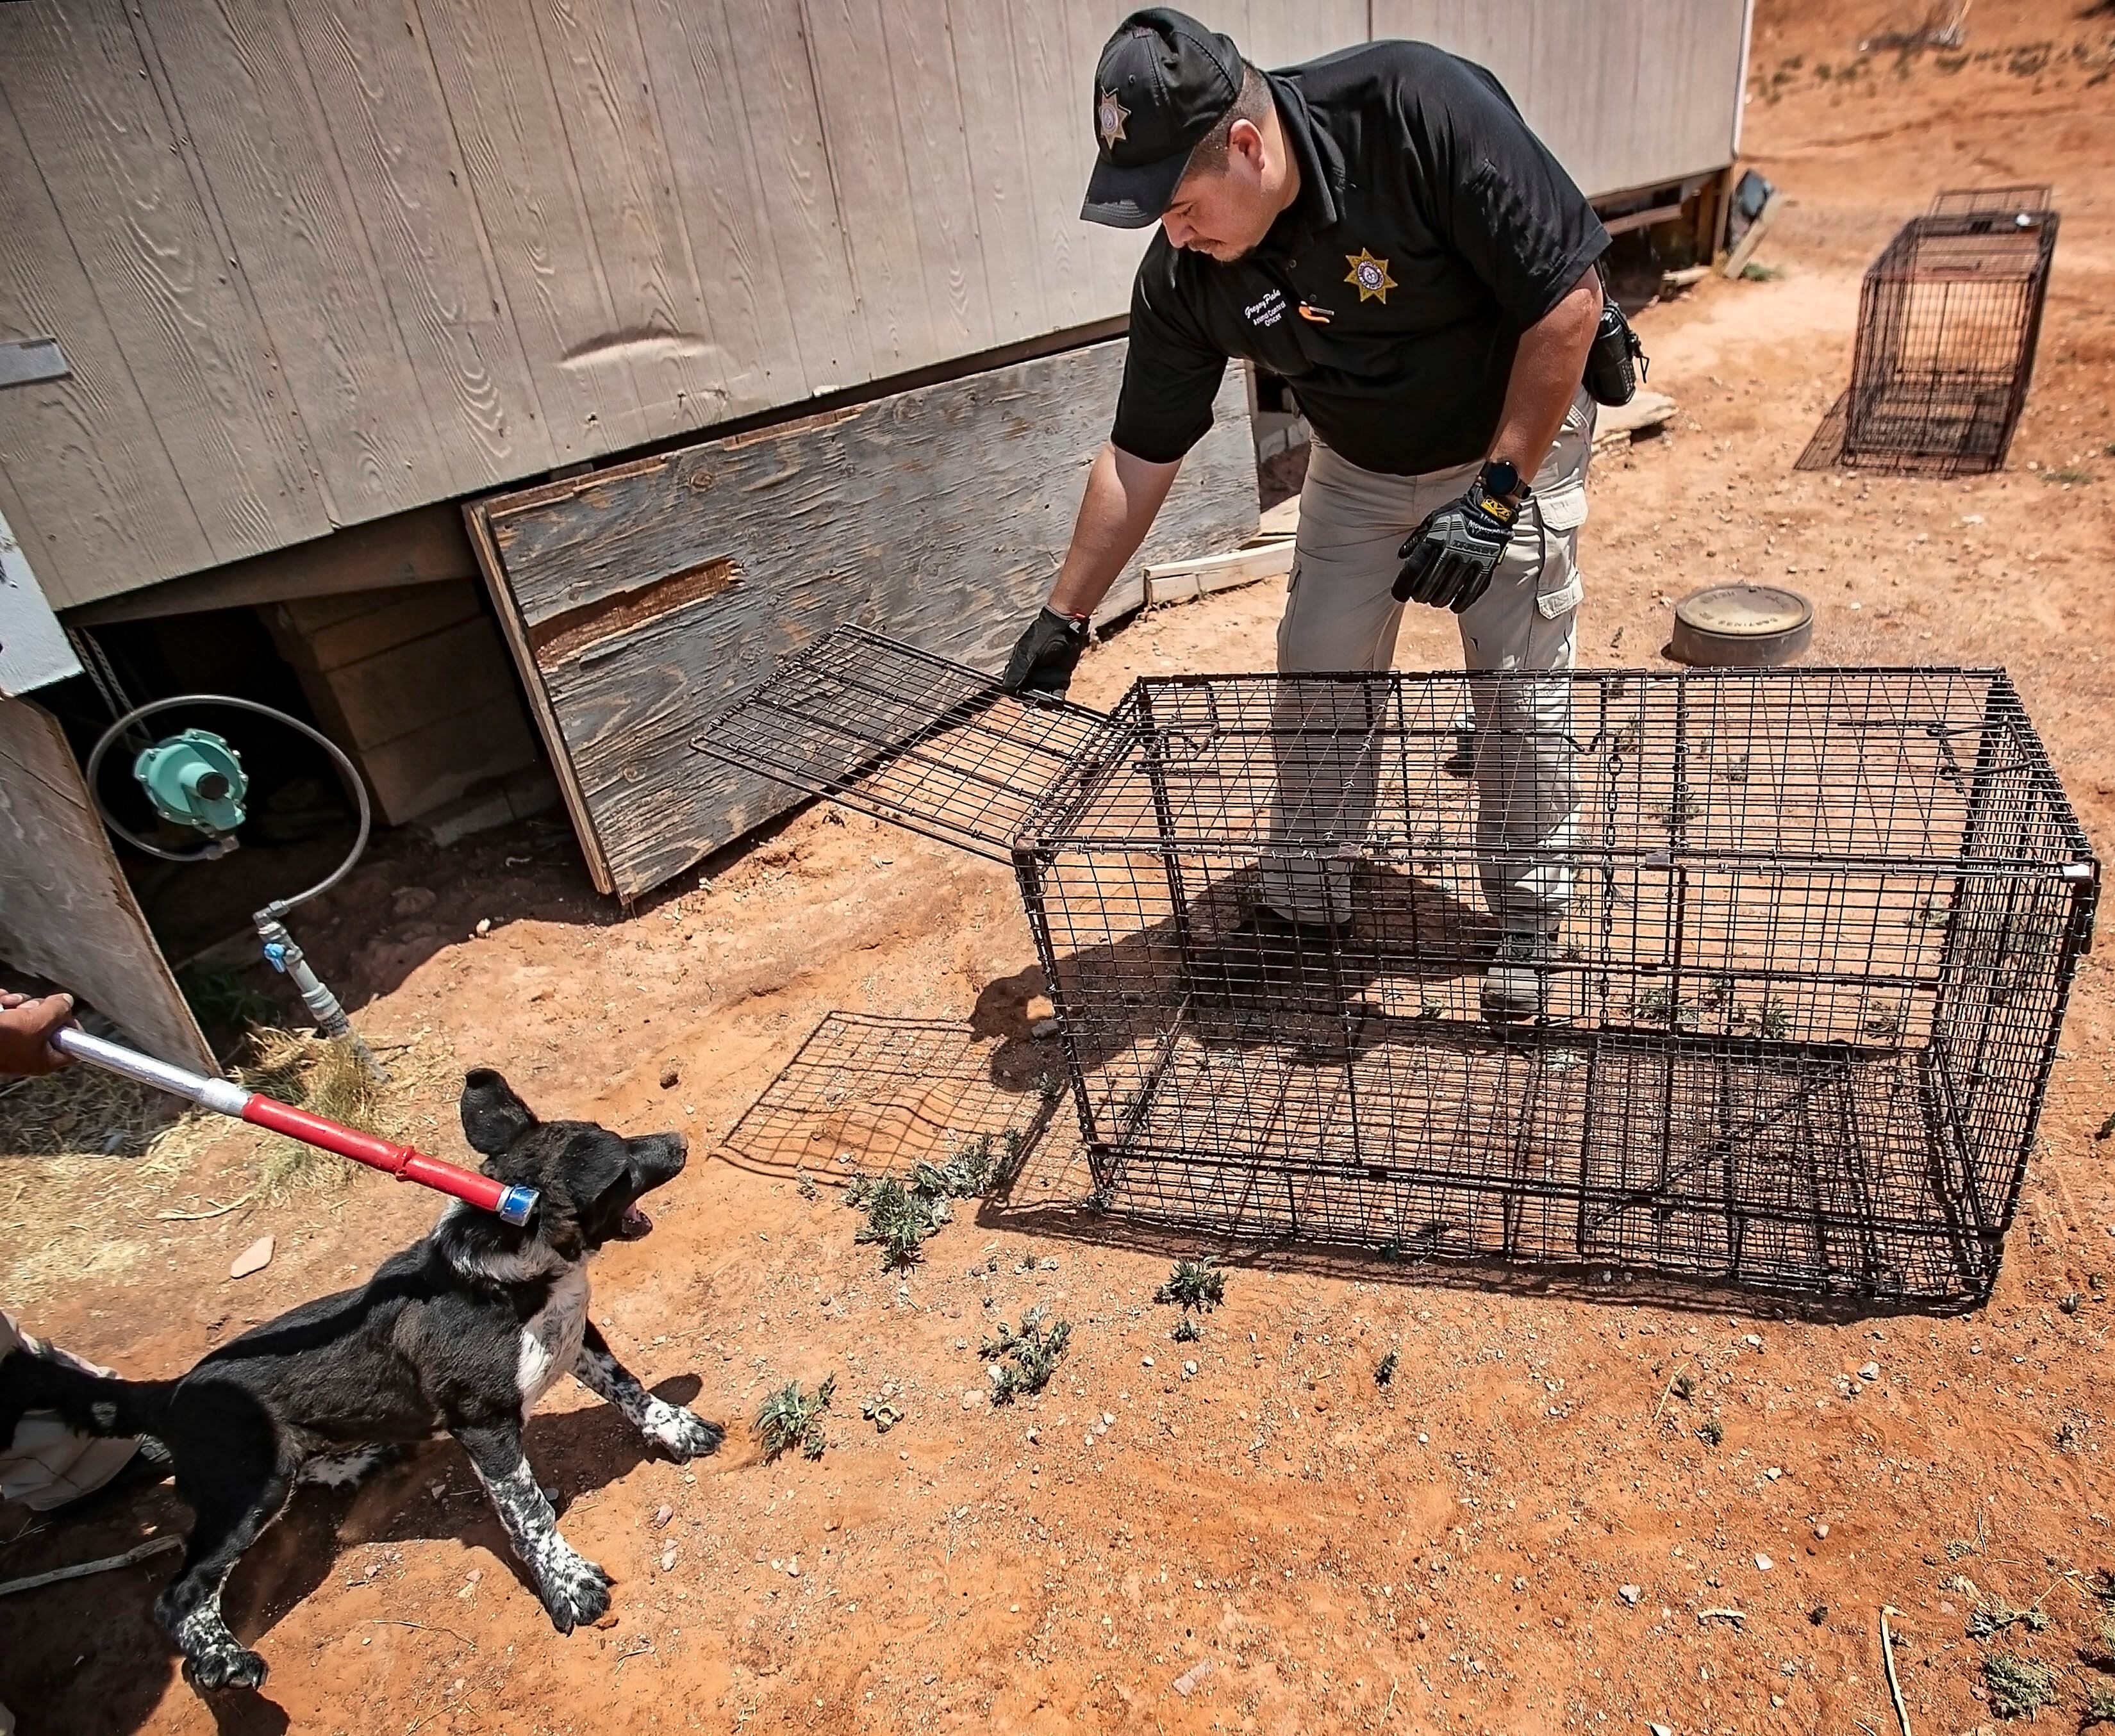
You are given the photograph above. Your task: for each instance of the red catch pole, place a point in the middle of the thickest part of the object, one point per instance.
(406, 1163)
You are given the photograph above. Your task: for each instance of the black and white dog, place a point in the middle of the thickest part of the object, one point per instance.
(462, 1332)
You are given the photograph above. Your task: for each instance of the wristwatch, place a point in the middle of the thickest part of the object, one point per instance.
(1501, 478)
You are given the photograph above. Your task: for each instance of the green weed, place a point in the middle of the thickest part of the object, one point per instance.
(900, 1216)
(1028, 1354)
(2019, 1687)
(791, 1417)
(1194, 1284)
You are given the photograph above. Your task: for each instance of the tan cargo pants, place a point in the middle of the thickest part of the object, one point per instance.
(1340, 615)
(47, 1464)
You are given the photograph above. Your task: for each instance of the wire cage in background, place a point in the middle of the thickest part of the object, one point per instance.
(1948, 323)
(1816, 934)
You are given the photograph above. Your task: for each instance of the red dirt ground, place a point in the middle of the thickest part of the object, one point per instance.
(1444, 1554)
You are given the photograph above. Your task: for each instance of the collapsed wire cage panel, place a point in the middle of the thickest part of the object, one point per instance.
(1948, 320)
(1815, 931)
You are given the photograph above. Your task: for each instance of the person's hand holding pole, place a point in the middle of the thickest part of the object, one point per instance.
(25, 1032)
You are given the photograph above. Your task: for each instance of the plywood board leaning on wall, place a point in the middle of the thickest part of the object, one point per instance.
(641, 599)
(66, 911)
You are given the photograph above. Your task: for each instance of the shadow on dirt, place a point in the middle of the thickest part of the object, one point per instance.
(869, 1093)
(86, 1658)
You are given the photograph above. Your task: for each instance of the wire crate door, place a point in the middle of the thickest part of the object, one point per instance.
(912, 739)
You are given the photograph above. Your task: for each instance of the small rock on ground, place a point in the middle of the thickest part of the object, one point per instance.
(1186, 1683)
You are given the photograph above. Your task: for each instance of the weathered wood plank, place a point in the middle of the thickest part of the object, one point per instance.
(327, 633)
(242, 94)
(924, 73)
(718, 183)
(368, 703)
(1179, 581)
(938, 515)
(606, 104)
(776, 89)
(489, 61)
(477, 521)
(95, 500)
(66, 911)
(1626, 94)
(374, 76)
(1751, 238)
(1051, 84)
(77, 80)
(880, 209)
(437, 763)
(422, 546)
(998, 147)
(1277, 35)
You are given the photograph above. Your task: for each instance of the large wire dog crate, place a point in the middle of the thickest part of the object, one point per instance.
(1804, 999)
(1948, 323)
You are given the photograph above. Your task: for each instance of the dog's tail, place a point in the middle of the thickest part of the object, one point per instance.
(96, 1404)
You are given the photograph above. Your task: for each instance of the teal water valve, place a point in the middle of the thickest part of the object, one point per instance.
(194, 779)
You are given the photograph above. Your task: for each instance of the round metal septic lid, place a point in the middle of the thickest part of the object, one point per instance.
(1740, 626)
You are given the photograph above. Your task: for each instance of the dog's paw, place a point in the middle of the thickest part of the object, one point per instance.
(679, 1433)
(576, 1592)
(226, 1666)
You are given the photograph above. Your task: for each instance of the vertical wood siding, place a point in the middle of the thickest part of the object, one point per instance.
(318, 261)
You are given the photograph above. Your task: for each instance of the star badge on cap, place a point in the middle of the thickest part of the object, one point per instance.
(1370, 276)
(1109, 117)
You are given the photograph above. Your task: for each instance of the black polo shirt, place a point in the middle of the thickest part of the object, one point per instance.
(1432, 228)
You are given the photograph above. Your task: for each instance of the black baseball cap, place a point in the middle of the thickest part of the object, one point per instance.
(1163, 82)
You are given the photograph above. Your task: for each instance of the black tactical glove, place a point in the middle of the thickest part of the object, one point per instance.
(1448, 560)
(1045, 656)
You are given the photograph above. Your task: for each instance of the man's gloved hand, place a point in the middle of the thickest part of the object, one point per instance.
(1046, 655)
(1448, 560)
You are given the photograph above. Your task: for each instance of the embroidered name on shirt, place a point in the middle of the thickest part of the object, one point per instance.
(1268, 311)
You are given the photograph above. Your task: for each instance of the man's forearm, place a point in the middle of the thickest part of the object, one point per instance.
(1123, 495)
(1547, 369)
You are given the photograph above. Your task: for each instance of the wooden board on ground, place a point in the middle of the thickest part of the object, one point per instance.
(66, 911)
(1737, 261)
(1281, 521)
(1179, 581)
(642, 600)
(1619, 424)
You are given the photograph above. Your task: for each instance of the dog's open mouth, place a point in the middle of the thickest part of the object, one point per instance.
(634, 1224)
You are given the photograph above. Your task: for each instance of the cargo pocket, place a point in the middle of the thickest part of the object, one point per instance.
(1564, 511)
(1564, 506)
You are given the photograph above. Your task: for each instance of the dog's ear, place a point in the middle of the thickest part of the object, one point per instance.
(492, 1117)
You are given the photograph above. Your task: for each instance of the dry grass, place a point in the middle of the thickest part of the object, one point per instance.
(81, 1110)
(326, 1077)
(96, 1174)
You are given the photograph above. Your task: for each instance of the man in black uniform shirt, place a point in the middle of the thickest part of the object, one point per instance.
(1380, 227)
